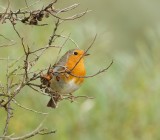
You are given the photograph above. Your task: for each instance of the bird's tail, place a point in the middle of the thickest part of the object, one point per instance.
(52, 103)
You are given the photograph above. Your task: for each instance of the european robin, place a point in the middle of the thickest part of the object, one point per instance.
(66, 76)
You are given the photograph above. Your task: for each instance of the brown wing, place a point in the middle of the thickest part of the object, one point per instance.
(59, 66)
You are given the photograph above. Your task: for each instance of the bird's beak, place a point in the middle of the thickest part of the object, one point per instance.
(86, 54)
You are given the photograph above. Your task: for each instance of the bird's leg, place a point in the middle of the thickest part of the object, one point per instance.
(71, 97)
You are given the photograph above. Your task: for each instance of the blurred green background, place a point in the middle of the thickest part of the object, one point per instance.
(126, 98)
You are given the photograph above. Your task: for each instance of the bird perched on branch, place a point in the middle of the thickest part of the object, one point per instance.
(66, 76)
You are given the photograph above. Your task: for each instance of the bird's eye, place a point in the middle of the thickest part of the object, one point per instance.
(75, 53)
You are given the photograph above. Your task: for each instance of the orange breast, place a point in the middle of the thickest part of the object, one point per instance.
(79, 70)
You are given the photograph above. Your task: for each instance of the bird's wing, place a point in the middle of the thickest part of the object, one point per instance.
(60, 65)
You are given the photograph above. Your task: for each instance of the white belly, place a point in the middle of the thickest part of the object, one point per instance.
(62, 87)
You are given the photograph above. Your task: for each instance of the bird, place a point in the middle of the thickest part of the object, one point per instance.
(66, 76)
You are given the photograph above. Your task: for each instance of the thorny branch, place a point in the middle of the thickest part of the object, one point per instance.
(2, 16)
(26, 108)
(84, 53)
(22, 67)
(38, 131)
(8, 106)
(97, 73)
(34, 17)
(7, 45)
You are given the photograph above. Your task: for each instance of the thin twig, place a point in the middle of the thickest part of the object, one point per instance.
(38, 131)
(5, 95)
(68, 8)
(84, 53)
(2, 19)
(9, 115)
(54, 32)
(75, 97)
(6, 38)
(31, 5)
(76, 16)
(8, 106)
(61, 49)
(69, 39)
(44, 48)
(38, 90)
(97, 73)
(27, 5)
(7, 45)
(26, 51)
(26, 108)
(16, 91)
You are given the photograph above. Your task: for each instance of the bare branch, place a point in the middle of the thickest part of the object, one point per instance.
(8, 106)
(38, 131)
(44, 48)
(97, 73)
(28, 6)
(7, 45)
(84, 53)
(9, 115)
(66, 9)
(76, 16)
(38, 90)
(34, 17)
(5, 95)
(72, 98)
(5, 37)
(29, 109)
(69, 39)
(2, 18)
(54, 32)
(21, 38)
(16, 91)
(61, 48)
